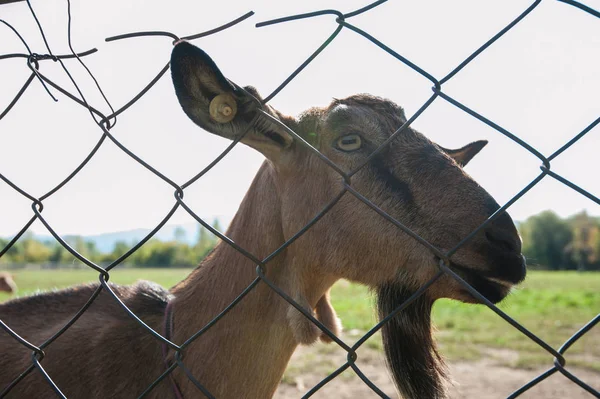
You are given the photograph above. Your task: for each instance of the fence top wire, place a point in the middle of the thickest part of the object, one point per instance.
(340, 21)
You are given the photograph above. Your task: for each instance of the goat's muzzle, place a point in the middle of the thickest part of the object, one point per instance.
(505, 266)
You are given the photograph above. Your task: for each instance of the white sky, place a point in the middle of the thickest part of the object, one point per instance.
(540, 81)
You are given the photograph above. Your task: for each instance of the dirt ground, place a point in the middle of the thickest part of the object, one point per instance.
(482, 379)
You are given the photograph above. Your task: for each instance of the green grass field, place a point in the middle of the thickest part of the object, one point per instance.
(553, 305)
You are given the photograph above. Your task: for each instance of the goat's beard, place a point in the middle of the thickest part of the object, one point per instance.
(417, 368)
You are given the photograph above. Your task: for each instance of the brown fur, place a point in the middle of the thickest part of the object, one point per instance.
(106, 354)
(7, 283)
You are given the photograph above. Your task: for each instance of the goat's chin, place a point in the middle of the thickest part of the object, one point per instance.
(416, 367)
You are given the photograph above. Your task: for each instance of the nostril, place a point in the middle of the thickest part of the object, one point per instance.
(503, 240)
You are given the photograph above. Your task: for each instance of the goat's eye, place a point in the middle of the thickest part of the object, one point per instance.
(351, 142)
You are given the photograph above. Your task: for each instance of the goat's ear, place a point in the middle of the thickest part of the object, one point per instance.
(463, 155)
(220, 107)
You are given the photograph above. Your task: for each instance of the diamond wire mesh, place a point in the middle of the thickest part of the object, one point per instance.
(107, 122)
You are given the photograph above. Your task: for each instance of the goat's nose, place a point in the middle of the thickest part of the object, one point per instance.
(502, 233)
(504, 240)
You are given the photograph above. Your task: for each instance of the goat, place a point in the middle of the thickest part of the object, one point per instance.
(106, 354)
(7, 283)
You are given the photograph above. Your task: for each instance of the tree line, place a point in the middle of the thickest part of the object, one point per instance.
(549, 242)
(553, 243)
(154, 253)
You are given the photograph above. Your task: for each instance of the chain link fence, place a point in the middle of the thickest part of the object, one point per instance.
(35, 60)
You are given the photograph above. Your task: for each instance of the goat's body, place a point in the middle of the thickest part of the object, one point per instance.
(106, 354)
(110, 344)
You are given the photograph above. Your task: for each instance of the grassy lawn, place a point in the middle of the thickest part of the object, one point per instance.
(553, 305)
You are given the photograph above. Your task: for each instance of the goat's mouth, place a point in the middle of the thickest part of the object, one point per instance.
(493, 289)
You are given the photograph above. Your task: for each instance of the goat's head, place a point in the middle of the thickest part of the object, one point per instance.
(414, 180)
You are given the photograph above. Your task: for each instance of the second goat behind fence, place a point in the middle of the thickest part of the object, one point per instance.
(7, 283)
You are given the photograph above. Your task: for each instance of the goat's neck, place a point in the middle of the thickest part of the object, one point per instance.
(245, 353)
